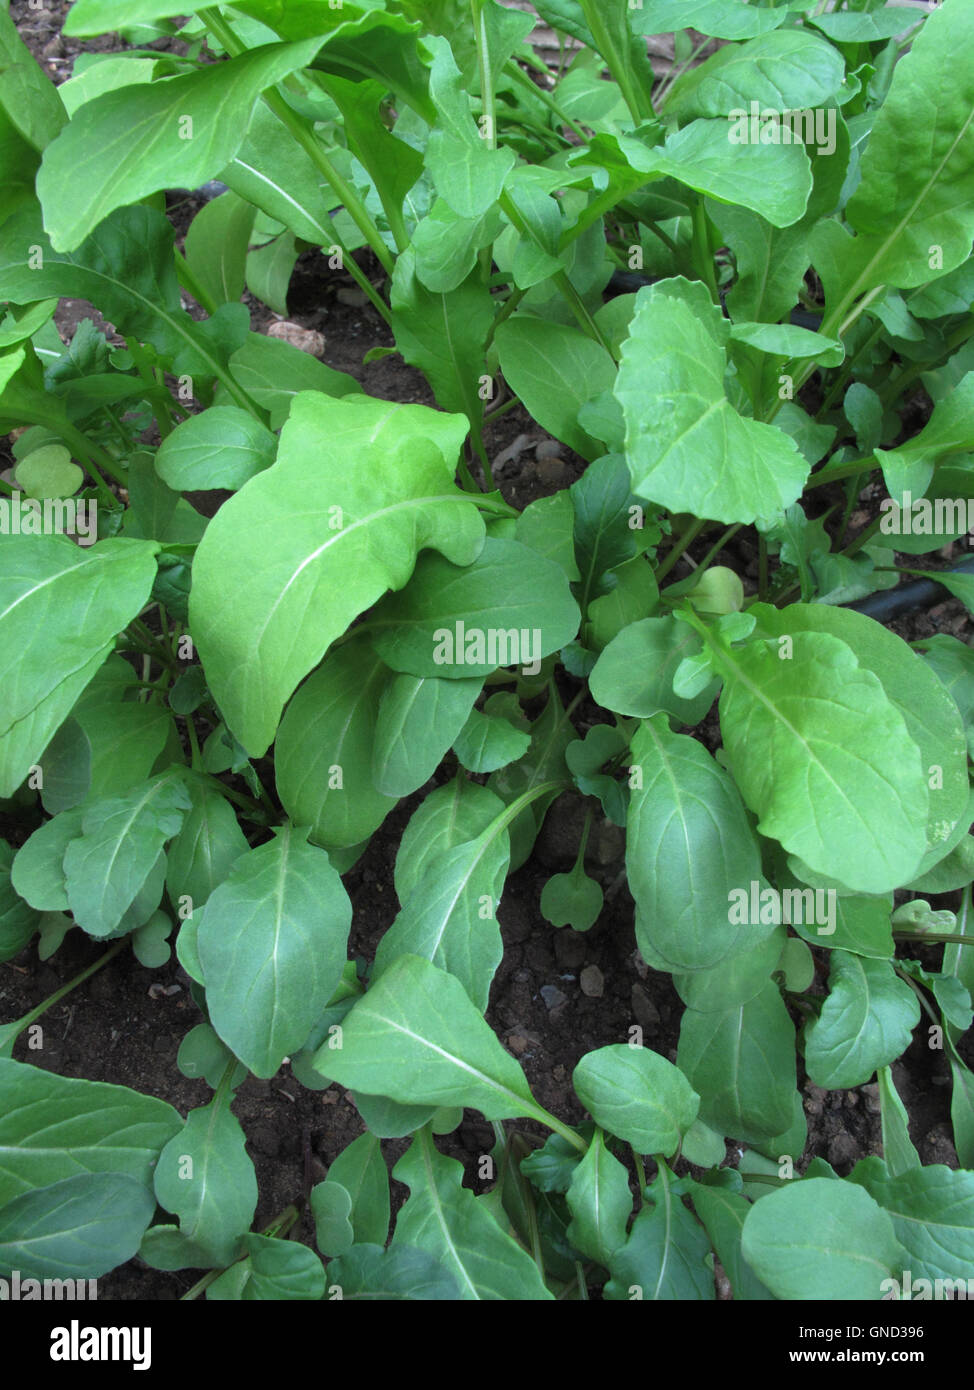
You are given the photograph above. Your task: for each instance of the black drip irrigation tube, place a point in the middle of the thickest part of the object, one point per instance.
(907, 598)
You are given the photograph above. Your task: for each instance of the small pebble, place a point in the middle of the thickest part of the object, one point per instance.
(306, 339)
(592, 982)
(552, 996)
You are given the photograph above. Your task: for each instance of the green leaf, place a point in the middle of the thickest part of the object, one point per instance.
(29, 100)
(150, 943)
(361, 1170)
(634, 673)
(325, 748)
(825, 759)
(866, 1022)
(910, 467)
(37, 872)
(272, 943)
(282, 1270)
(203, 1054)
(665, 1255)
(417, 1036)
(932, 1210)
(418, 719)
(817, 1238)
(126, 739)
(555, 370)
(637, 1095)
(689, 847)
(401, 1272)
(572, 900)
(451, 815)
(741, 1062)
(268, 271)
(687, 447)
(273, 373)
(334, 557)
(789, 70)
(331, 1208)
(175, 132)
(206, 1178)
(723, 1214)
(54, 1127)
(905, 207)
(962, 1111)
(898, 1150)
(222, 447)
(207, 845)
(487, 742)
(121, 840)
(216, 246)
(445, 1219)
(721, 19)
(79, 1228)
(18, 920)
(467, 173)
(49, 472)
(60, 609)
(600, 1203)
(507, 607)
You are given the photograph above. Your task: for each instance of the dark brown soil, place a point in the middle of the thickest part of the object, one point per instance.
(116, 1029)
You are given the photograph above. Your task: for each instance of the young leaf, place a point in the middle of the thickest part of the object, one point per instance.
(664, 1257)
(222, 447)
(865, 1023)
(331, 1207)
(281, 1269)
(367, 1271)
(60, 609)
(721, 19)
(445, 1219)
(634, 673)
(449, 816)
(216, 246)
(898, 1151)
(273, 373)
(637, 1095)
(555, 370)
(572, 900)
(600, 1202)
(818, 1238)
(418, 718)
(361, 1170)
(723, 1214)
(417, 1036)
(120, 844)
(272, 943)
(335, 556)
(207, 845)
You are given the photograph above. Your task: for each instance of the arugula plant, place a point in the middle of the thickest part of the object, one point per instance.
(205, 720)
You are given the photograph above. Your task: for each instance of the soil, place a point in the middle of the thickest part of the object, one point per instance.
(121, 1027)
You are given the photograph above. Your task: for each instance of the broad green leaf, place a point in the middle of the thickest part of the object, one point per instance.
(206, 846)
(418, 719)
(202, 1054)
(445, 1219)
(600, 1203)
(126, 268)
(817, 1238)
(932, 1210)
(126, 739)
(60, 608)
(272, 942)
(824, 758)
(401, 1272)
(723, 1214)
(281, 1270)
(18, 920)
(150, 942)
(486, 742)
(121, 840)
(634, 673)
(508, 607)
(443, 334)
(37, 872)
(741, 1062)
(687, 447)
(29, 100)
(216, 246)
(445, 245)
(325, 748)
(273, 373)
(689, 847)
(604, 512)
(913, 218)
(898, 1151)
(54, 1127)
(269, 269)
(866, 1022)
(931, 719)
(222, 447)
(388, 1119)
(665, 1255)
(789, 70)
(361, 1170)
(206, 1178)
(572, 900)
(175, 132)
(79, 1228)
(637, 1095)
(948, 431)
(450, 917)
(555, 370)
(721, 19)
(49, 472)
(735, 980)
(449, 816)
(417, 1036)
(359, 488)
(875, 26)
